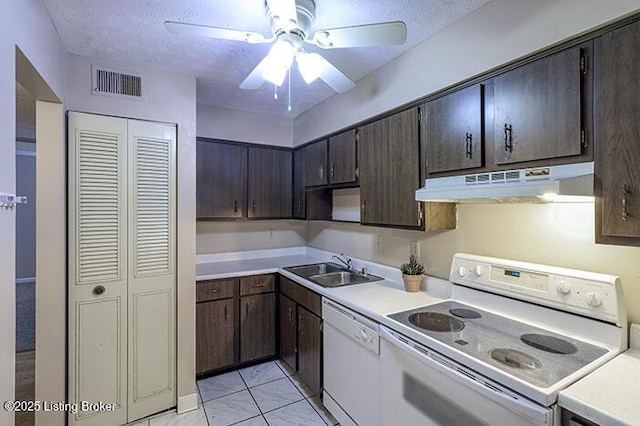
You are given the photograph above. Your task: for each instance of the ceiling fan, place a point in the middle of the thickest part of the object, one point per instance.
(291, 24)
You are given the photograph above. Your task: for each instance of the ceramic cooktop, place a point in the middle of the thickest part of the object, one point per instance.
(535, 355)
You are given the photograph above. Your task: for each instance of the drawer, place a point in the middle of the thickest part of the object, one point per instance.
(309, 299)
(216, 289)
(257, 284)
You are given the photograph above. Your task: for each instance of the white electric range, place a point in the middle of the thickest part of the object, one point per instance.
(512, 335)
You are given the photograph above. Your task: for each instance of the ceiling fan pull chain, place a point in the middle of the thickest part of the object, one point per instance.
(289, 84)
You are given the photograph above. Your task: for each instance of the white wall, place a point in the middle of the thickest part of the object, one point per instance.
(553, 234)
(218, 237)
(24, 24)
(498, 32)
(221, 123)
(170, 98)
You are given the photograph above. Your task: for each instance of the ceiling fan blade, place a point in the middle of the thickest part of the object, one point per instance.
(284, 13)
(215, 32)
(255, 79)
(334, 77)
(386, 33)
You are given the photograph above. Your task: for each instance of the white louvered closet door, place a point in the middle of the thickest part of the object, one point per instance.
(152, 348)
(122, 237)
(97, 267)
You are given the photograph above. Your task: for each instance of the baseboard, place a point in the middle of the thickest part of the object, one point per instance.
(187, 403)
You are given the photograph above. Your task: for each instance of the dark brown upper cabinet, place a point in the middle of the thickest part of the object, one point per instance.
(221, 180)
(453, 131)
(539, 107)
(389, 159)
(342, 158)
(316, 164)
(617, 124)
(299, 195)
(269, 183)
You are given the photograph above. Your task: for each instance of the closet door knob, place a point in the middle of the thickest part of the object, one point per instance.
(98, 290)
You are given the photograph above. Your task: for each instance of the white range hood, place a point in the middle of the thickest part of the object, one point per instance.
(562, 183)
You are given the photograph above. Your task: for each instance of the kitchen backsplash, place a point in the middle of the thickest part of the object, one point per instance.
(555, 234)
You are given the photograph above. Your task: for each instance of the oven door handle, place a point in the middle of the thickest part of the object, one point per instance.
(488, 388)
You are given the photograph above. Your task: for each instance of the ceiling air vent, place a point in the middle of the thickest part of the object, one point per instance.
(111, 82)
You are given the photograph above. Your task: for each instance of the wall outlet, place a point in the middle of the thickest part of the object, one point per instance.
(377, 242)
(414, 248)
(271, 232)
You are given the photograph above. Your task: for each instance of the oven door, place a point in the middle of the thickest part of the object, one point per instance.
(421, 387)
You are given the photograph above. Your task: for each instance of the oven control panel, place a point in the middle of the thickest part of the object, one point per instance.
(591, 294)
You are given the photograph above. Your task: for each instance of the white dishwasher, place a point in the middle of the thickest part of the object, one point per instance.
(351, 350)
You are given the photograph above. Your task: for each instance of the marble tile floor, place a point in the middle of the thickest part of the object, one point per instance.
(266, 394)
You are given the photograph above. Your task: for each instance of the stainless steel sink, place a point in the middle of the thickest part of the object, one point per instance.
(306, 271)
(331, 274)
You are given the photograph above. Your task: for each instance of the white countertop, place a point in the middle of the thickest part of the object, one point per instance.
(374, 299)
(609, 395)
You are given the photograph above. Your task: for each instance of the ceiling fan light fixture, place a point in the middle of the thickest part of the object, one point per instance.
(278, 62)
(310, 65)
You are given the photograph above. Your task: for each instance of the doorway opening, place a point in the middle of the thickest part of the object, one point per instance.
(25, 266)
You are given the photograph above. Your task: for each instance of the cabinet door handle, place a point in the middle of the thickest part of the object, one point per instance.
(235, 206)
(299, 206)
(246, 310)
(253, 206)
(225, 313)
(508, 137)
(321, 172)
(364, 208)
(331, 170)
(290, 315)
(625, 191)
(468, 145)
(301, 325)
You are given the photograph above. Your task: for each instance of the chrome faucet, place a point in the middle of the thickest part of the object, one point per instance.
(342, 258)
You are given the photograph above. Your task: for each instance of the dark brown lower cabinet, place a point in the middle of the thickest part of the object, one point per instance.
(301, 332)
(571, 419)
(310, 349)
(215, 325)
(235, 321)
(257, 326)
(215, 328)
(288, 331)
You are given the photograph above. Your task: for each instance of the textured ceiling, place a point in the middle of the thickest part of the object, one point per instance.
(132, 31)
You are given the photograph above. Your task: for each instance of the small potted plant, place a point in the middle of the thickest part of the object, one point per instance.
(412, 273)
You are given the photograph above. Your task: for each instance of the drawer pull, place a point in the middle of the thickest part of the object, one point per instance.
(258, 286)
(213, 291)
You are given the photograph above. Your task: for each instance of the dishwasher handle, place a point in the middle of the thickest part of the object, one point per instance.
(492, 390)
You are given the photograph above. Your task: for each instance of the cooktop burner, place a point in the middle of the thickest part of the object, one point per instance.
(465, 313)
(535, 355)
(434, 321)
(549, 344)
(516, 359)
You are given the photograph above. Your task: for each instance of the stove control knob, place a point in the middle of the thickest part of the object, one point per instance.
(593, 299)
(462, 271)
(479, 270)
(563, 287)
